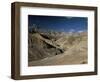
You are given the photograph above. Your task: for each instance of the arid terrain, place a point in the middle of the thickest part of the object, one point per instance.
(56, 48)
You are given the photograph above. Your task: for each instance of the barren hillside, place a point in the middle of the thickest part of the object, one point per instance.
(56, 48)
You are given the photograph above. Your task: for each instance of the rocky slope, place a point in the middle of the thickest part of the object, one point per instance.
(56, 48)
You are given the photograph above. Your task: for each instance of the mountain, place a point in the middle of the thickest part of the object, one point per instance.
(53, 48)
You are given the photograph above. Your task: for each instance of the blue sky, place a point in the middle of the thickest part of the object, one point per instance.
(59, 23)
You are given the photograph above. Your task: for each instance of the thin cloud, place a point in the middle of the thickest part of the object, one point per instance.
(71, 30)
